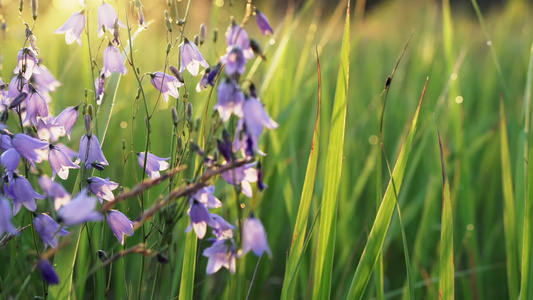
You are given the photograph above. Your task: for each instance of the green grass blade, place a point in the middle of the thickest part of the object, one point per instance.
(446, 264)
(305, 203)
(384, 216)
(509, 211)
(189, 266)
(326, 247)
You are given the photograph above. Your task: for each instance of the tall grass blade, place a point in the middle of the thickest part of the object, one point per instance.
(300, 228)
(326, 246)
(384, 216)
(446, 264)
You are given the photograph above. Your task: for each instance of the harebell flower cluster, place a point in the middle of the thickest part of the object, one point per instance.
(38, 142)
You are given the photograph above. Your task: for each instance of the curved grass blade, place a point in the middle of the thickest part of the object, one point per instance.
(326, 237)
(384, 216)
(446, 264)
(305, 203)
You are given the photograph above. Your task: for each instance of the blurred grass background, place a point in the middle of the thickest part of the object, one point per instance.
(463, 95)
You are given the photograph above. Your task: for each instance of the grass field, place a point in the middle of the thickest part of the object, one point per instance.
(451, 125)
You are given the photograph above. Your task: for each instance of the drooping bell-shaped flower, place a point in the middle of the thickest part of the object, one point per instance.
(91, 152)
(237, 36)
(230, 100)
(67, 118)
(60, 162)
(17, 85)
(205, 196)
(220, 254)
(36, 106)
(200, 218)
(55, 191)
(154, 164)
(235, 61)
(48, 229)
(113, 61)
(22, 193)
(222, 229)
(5, 218)
(107, 16)
(45, 80)
(254, 237)
(48, 272)
(27, 63)
(102, 188)
(30, 148)
(166, 84)
(49, 131)
(191, 58)
(262, 22)
(242, 176)
(10, 159)
(73, 27)
(120, 225)
(81, 209)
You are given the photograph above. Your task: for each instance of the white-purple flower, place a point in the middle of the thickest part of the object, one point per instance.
(254, 237)
(22, 193)
(31, 149)
(242, 176)
(230, 100)
(237, 36)
(200, 218)
(5, 218)
(205, 196)
(222, 229)
(55, 191)
(48, 229)
(102, 188)
(45, 80)
(81, 209)
(220, 254)
(36, 106)
(113, 61)
(107, 16)
(67, 118)
(17, 85)
(60, 162)
(48, 131)
(263, 23)
(73, 28)
(191, 58)
(235, 61)
(120, 225)
(27, 63)
(91, 152)
(166, 84)
(154, 164)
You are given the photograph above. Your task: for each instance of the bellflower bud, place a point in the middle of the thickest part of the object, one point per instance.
(203, 32)
(175, 117)
(188, 111)
(88, 125)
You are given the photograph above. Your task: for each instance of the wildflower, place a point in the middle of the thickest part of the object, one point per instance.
(48, 229)
(140, 14)
(30, 148)
(191, 58)
(120, 225)
(107, 16)
(237, 36)
(200, 218)
(254, 237)
(262, 22)
(230, 100)
(27, 63)
(102, 188)
(113, 61)
(18, 85)
(205, 196)
(222, 228)
(67, 118)
(166, 84)
(22, 193)
(44, 80)
(235, 61)
(48, 272)
(242, 176)
(73, 27)
(10, 159)
(48, 131)
(91, 152)
(79, 210)
(60, 162)
(154, 164)
(35, 106)
(55, 191)
(5, 217)
(221, 254)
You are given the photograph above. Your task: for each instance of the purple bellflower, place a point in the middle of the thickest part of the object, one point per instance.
(17, 85)
(242, 176)
(73, 27)
(91, 152)
(5, 218)
(22, 193)
(10, 159)
(67, 118)
(47, 130)
(191, 58)
(31, 149)
(27, 63)
(36, 106)
(44, 80)
(221, 254)
(81, 209)
(205, 196)
(230, 100)
(166, 84)
(48, 229)
(55, 191)
(102, 188)
(154, 164)
(113, 61)
(200, 218)
(254, 237)
(60, 162)
(262, 22)
(120, 225)
(5, 142)
(235, 61)
(48, 272)
(237, 36)
(107, 16)
(222, 229)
